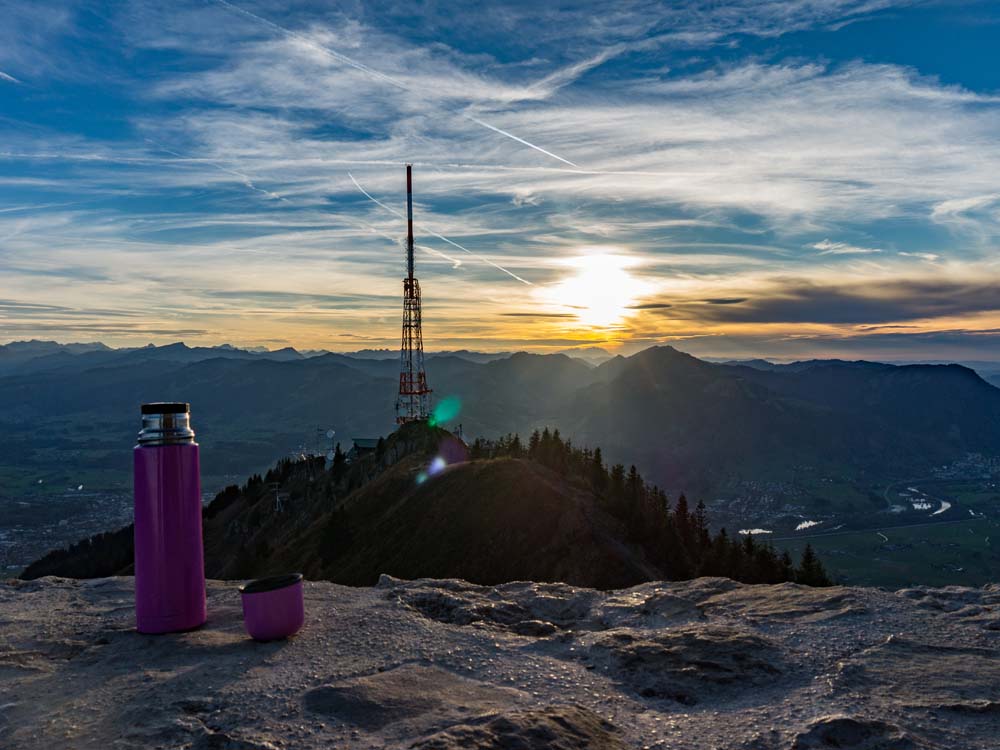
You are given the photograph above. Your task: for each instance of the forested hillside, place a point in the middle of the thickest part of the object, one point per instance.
(426, 505)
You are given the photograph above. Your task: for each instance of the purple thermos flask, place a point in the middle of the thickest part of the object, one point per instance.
(169, 559)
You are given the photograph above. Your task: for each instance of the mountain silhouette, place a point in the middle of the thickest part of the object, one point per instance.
(686, 423)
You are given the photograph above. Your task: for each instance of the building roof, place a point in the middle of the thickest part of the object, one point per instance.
(370, 443)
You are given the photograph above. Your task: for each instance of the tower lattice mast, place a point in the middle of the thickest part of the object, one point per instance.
(414, 395)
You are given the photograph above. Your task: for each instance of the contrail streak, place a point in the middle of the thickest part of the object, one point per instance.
(327, 50)
(249, 183)
(519, 140)
(457, 262)
(379, 76)
(40, 206)
(390, 209)
(245, 179)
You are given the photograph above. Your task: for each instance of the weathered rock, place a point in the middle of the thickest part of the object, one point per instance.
(555, 728)
(980, 606)
(186, 724)
(849, 733)
(953, 597)
(976, 706)
(535, 628)
(646, 606)
(690, 664)
(787, 601)
(412, 693)
(925, 674)
(210, 740)
(461, 603)
(448, 664)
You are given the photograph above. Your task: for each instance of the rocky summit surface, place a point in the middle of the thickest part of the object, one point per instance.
(442, 664)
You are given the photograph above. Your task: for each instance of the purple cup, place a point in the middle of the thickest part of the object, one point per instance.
(272, 607)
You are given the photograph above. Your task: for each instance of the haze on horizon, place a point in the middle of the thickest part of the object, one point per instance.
(779, 179)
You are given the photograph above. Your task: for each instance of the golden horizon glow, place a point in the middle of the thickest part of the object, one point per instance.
(601, 290)
(616, 297)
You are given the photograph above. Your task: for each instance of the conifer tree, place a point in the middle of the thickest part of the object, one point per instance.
(701, 526)
(747, 560)
(715, 559)
(673, 556)
(682, 517)
(476, 449)
(339, 463)
(516, 449)
(810, 570)
(616, 492)
(787, 567)
(598, 474)
(534, 442)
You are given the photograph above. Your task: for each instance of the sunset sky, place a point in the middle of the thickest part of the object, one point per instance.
(786, 179)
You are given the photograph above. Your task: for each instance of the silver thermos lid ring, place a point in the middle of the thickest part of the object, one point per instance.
(166, 423)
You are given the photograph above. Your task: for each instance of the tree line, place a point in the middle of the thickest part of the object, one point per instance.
(674, 536)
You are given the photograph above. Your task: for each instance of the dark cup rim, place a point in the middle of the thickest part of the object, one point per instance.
(166, 407)
(271, 583)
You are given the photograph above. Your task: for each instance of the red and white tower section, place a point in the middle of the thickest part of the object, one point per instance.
(413, 402)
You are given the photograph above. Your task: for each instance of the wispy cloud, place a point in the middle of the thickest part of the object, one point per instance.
(929, 257)
(388, 80)
(8, 77)
(826, 247)
(536, 131)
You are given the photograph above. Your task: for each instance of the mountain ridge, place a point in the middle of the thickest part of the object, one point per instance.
(662, 408)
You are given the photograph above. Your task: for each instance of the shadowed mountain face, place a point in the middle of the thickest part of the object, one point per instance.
(692, 421)
(686, 423)
(485, 521)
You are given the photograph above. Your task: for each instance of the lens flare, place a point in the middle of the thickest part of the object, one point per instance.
(437, 466)
(445, 411)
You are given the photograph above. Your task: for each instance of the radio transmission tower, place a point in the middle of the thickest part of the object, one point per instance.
(414, 395)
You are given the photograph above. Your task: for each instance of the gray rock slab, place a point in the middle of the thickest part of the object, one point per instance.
(707, 664)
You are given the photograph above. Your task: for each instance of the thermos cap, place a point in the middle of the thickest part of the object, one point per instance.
(166, 407)
(166, 423)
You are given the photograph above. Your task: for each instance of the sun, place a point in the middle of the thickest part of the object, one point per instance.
(600, 290)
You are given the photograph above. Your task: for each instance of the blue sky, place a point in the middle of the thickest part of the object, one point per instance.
(786, 179)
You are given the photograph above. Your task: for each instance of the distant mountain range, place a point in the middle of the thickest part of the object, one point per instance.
(24, 357)
(989, 371)
(687, 423)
